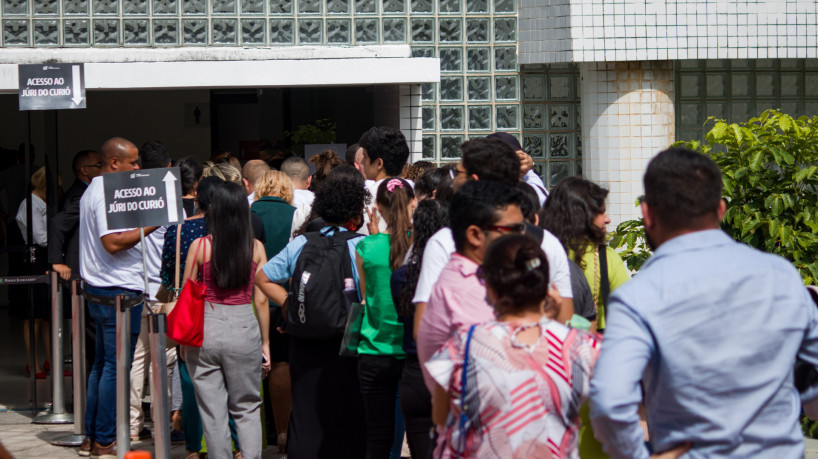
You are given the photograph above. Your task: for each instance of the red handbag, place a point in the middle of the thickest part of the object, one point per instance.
(186, 320)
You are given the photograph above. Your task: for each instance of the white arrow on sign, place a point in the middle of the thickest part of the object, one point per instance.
(77, 89)
(170, 192)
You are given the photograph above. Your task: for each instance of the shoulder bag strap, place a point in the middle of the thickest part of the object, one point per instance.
(605, 285)
(178, 258)
(464, 416)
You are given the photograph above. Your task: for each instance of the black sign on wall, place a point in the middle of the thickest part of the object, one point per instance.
(51, 86)
(150, 197)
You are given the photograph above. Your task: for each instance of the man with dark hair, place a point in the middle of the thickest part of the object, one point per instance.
(526, 164)
(64, 244)
(384, 153)
(709, 329)
(153, 155)
(490, 159)
(480, 212)
(111, 265)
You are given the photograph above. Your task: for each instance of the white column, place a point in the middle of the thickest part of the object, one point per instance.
(411, 120)
(627, 118)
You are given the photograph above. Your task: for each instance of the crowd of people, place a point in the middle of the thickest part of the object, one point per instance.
(463, 307)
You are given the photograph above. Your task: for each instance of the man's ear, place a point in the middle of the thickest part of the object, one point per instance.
(475, 236)
(647, 215)
(722, 209)
(379, 163)
(246, 185)
(309, 181)
(475, 177)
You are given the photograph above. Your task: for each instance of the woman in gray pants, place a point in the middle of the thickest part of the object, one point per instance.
(227, 369)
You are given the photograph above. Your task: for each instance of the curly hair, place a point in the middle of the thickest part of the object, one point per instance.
(516, 271)
(430, 216)
(418, 168)
(276, 184)
(342, 198)
(569, 214)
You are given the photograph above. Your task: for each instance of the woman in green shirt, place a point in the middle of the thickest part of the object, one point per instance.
(575, 213)
(380, 351)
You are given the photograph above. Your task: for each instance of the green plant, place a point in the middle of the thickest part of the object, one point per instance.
(629, 238)
(770, 174)
(321, 132)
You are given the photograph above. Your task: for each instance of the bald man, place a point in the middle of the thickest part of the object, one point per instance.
(252, 171)
(298, 171)
(111, 265)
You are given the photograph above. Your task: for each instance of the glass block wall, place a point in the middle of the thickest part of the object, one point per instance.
(482, 87)
(740, 89)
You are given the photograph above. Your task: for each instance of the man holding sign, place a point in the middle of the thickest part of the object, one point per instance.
(111, 264)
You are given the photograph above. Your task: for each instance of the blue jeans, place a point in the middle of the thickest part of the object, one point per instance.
(100, 408)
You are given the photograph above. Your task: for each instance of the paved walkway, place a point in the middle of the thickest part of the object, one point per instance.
(26, 440)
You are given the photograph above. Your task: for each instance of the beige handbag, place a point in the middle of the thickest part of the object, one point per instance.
(165, 298)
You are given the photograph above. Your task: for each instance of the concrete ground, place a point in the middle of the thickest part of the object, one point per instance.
(26, 440)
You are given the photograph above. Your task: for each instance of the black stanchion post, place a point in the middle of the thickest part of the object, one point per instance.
(123, 381)
(157, 327)
(57, 414)
(78, 347)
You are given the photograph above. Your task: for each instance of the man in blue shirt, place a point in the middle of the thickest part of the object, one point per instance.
(709, 327)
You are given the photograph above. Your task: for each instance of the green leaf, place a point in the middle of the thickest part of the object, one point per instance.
(785, 123)
(803, 174)
(756, 160)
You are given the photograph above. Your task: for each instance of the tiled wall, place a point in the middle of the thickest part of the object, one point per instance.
(627, 117)
(620, 30)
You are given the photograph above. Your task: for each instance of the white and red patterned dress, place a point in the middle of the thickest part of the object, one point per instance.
(522, 401)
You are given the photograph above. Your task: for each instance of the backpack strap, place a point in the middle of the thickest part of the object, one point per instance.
(343, 237)
(605, 284)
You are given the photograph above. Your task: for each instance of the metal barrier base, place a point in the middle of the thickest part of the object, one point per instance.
(52, 418)
(68, 440)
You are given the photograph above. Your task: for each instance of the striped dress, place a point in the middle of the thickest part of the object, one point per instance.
(522, 400)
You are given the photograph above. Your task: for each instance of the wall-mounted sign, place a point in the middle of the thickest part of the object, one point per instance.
(51, 86)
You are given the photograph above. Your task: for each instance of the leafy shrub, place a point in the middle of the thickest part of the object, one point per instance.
(770, 173)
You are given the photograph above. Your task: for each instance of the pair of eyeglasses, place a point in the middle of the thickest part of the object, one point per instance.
(642, 200)
(99, 164)
(453, 173)
(515, 228)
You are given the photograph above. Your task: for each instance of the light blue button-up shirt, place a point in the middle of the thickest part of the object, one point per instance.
(711, 328)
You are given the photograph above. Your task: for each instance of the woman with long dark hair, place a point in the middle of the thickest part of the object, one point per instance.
(227, 369)
(415, 399)
(517, 381)
(575, 213)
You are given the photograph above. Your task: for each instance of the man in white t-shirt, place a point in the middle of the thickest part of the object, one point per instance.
(251, 172)
(385, 152)
(111, 265)
(493, 160)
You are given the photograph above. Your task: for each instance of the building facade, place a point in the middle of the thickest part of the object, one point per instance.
(590, 87)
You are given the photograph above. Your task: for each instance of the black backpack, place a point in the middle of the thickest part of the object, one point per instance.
(317, 307)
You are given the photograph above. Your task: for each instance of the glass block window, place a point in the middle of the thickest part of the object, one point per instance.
(740, 89)
(550, 120)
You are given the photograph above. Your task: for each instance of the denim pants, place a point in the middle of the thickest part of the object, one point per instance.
(100, 407)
